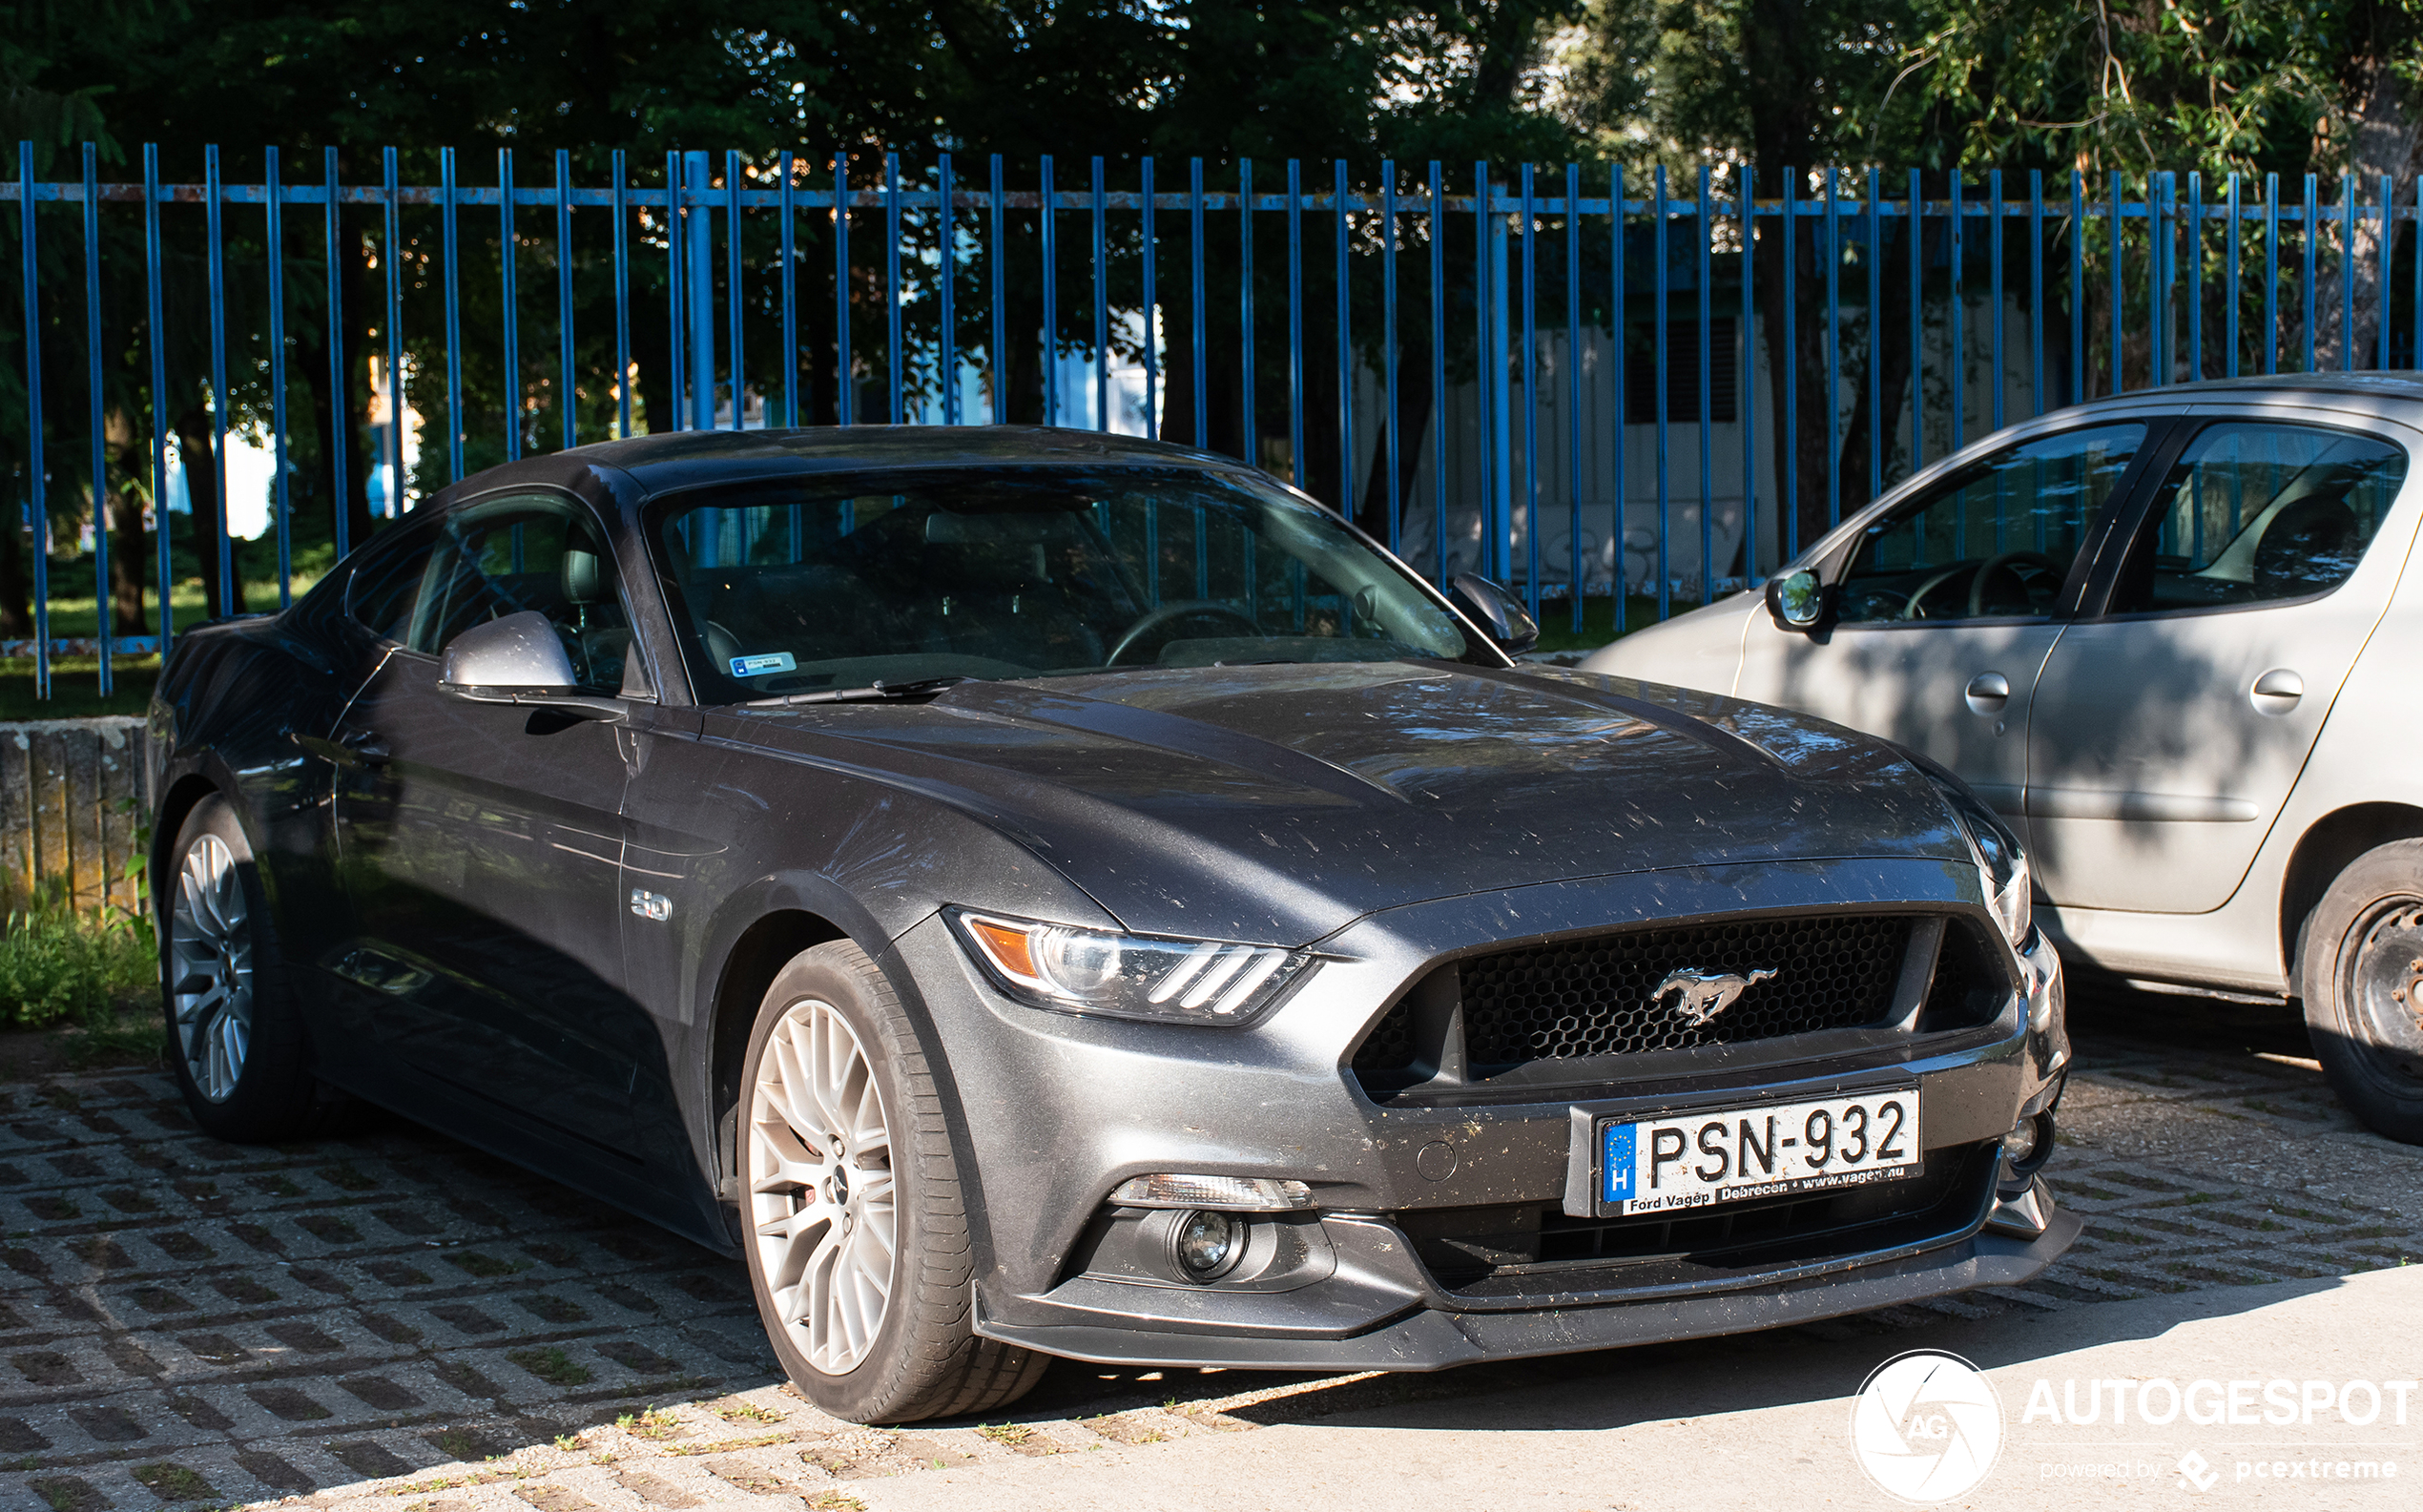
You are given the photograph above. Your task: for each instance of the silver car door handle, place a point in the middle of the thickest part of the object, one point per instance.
(2276, 692)
(1988, 692)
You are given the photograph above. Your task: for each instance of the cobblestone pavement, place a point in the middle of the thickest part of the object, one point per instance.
(392, 1320)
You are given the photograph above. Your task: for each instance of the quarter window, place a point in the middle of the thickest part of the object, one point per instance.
(2254, 512)
(1994, 541)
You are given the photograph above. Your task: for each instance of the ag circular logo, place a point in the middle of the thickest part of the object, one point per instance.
(1926, 1426)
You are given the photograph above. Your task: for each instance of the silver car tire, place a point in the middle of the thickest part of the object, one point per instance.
(851, 1221)
(2361, 962)
(235, 1040)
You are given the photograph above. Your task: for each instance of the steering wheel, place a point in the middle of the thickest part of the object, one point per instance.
(1169, 614)
(1910, 607)
(2004, 563)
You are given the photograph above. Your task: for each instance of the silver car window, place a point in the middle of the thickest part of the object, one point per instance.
(1997, 540)
(2256, 511)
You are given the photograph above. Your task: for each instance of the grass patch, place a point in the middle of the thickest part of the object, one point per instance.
(550, 1365)
(1598, 620)
(59, 966)
(1004, 1433)
(173, 1482)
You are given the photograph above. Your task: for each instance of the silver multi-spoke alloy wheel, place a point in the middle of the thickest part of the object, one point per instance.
(820, 1194)
(210, 955)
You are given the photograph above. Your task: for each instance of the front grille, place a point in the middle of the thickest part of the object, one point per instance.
(1506, 1251)
(1595, 997)
(1599, 996)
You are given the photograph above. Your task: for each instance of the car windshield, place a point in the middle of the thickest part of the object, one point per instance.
(830, 583)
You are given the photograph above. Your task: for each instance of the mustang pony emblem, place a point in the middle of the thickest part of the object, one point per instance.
(1704, 994)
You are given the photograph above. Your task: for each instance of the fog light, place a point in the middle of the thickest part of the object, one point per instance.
(1218, 1193)
(2029, 1145)
(1207, 1244)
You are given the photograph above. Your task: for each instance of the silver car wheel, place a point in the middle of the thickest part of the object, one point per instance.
(820, 1193)
(210, 955)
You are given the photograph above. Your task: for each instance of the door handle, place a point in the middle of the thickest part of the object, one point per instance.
(2276, 692)
(1988, 692)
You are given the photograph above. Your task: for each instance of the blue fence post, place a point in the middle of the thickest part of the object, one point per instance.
(2347, 273)
(1251, 445)
(104, 624)
(736, 301)
(157, 344)
(998, 356)
(1788, 439)
(2195, 277)
(1743, 371)
(1150, 237)
(1436, 235)
(1345, 350)
(896, 354)
(1700, 229)
(622, 296)
(1295, 322)
(1993, 263)
(1575, 575)
(2078, 287)
(2229, 305)
(390, 262)
(1530, 369)
(1833, 358)
(2036, 289)
(946, 270)
(2120, 289)
(2381, 277)
(2311, 224)
(1199, 294)
(697, 234)
(339, 405)
(37, 503)
(509, 292)
(1917, 323)
(1102, 302)
(1661, 254)
(223, 410)
(1875, 333)
(845, 379)
(1621, 567)
(787, 208)
(453, 317)
(1614, 364)
(273, 206)
(1957, 348)
(1393, 442)
(1051, 297)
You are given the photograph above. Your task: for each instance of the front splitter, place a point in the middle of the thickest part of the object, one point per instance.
(1428, 1338)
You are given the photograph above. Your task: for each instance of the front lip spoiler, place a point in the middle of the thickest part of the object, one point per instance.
(1429, 1338)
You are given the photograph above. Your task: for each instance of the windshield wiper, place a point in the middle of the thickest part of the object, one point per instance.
(873, 693)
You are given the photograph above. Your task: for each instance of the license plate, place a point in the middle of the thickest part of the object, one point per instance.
(1696, 1160)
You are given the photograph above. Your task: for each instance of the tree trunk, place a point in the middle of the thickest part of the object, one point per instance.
(364, 312)
(17, 600)
(1888, 354)
(1413, 424)
(2387, 135)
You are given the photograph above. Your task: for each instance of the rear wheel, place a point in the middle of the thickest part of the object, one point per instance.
(857, 1237)
(2362, 969)
(236, 1034)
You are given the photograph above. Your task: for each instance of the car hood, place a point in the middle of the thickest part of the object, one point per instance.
(1280, 803)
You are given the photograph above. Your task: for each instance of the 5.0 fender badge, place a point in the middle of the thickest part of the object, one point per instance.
(1703, 995)
(649, 906)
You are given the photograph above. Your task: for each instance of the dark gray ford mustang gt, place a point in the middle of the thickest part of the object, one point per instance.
(1031, 893)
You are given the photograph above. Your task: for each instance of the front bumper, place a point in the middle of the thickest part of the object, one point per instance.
(1054, 1112)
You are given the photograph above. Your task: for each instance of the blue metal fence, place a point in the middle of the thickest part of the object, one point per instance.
(1527, 307)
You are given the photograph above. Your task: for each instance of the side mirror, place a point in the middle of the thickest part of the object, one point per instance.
(1797, 600)
(1495, 611)
(518, 660)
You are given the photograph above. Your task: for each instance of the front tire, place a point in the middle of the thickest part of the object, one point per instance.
(2361, 966)
(234, 1031)
(856, 1234)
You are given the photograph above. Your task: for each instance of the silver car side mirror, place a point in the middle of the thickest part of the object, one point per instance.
(517, 659)
(1797, 600)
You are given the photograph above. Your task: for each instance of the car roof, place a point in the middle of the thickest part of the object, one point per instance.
(2372, 389)
(660, 464)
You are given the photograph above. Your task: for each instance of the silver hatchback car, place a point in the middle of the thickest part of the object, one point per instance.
(2170, 637)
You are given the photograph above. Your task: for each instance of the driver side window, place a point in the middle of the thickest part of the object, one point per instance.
(1996, 541)
(505, 556)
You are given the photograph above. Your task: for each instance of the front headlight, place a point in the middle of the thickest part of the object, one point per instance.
(1074, 970)
(2002, 865)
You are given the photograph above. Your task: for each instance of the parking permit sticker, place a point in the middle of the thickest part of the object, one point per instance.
(759, 666)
